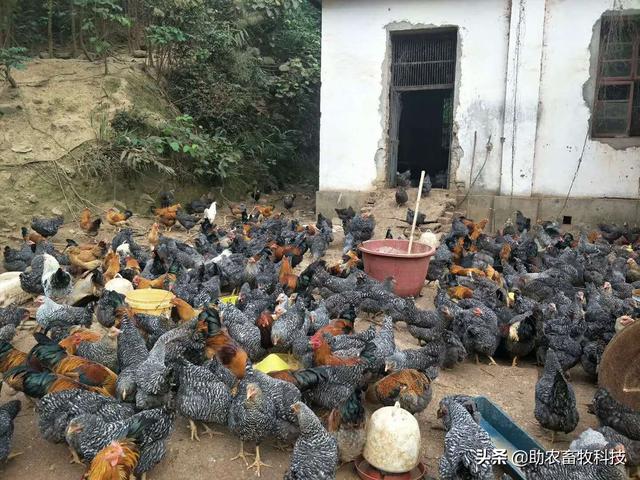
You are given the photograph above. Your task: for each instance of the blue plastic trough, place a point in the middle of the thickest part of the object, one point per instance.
(505, 433)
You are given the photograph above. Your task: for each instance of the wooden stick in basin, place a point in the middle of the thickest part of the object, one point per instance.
(415, 213)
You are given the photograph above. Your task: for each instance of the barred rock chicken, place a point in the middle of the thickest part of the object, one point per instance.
(201, 397)
(56, 410)
(59, 319)
(87, 434)
(315, 453)
(555, 407)
(13, 315)
(8, 412)
(631, 447)
(411, 388)
(421, 359)
(153, 378)
(462, 442)
(359, 229)
(347, 424)
(612, 413)
(131, 352)
(401, 196)
(47, 227)
(251, 419)
(477, 328)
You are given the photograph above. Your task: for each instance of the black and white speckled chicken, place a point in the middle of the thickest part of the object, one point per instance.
(243, 330)
(631, 447)
(56, 282)
(613, 414)
(462, 444)
(153, 379)
(13, 315)
(8, 412)
(131, 352)
(103, 352)
(315, 453)
(477, 328)
(555, 407)
(51, 315)
(88, 434)
(251, 419)
(421, 359)
(201, 397)
(361, 228)
(57, 409)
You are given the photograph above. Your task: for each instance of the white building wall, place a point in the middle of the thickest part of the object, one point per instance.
(545, 92)
(355, 95)
(564, 113)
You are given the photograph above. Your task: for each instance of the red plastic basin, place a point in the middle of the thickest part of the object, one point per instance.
(389, 258)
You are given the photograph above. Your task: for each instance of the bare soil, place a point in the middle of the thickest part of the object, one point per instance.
(510, 387)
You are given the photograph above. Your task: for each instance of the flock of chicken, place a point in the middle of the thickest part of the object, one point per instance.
(112, 392)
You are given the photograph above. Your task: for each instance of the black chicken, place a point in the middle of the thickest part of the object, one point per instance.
(186, 220)
(401, 196)
(288, 201)
(47, 227)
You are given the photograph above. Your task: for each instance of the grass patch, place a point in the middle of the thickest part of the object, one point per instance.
(111, 85)
(147, 97)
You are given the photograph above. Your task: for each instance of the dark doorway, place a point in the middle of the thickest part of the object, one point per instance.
(425, 135)
(423, 75)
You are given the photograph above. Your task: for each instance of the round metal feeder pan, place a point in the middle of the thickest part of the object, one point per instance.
(619, 370)
(368, 472)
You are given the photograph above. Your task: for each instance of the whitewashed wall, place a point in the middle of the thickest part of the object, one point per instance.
(534, 93)
(354, 104)
(564, 113)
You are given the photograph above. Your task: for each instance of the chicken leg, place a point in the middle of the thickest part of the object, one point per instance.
(74, 457)
(209, 431)
(257, 462)
(13, 455)
(514, 363)
(241, 454)
(194, 431)
(491, 360)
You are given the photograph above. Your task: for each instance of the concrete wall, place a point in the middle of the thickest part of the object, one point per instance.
(355, 94)
(566, 92)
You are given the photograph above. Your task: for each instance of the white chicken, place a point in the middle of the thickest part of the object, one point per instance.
(56, 282)
(211, 212)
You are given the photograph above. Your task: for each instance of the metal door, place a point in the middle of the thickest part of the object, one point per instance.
(394, 136)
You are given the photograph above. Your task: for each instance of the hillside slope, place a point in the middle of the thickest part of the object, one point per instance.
(60, 109)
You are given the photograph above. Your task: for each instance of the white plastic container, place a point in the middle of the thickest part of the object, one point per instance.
(393, 440)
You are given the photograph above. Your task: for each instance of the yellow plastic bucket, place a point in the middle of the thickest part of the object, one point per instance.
(151, 301)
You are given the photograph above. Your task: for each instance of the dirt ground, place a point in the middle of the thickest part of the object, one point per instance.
(510, 387)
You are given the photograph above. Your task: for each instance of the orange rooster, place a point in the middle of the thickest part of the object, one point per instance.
(343, 269)
(141, 282)
(458, 270)
(89, 226)
(154, 235)
(118, 219)
(167, 216)
(478, 228)
(322, 354)
(411, 388)
(287, 278)
(336, 327)
(184, 311)
(48, 354)
(36, 384)
(219, 344)
(31, 236)
(10, 357)
(460, 292)
(71, 342)
(265, 211)
(505, 252)
(132, 264)
(264, 322)
(116, 461)
(111, 265)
